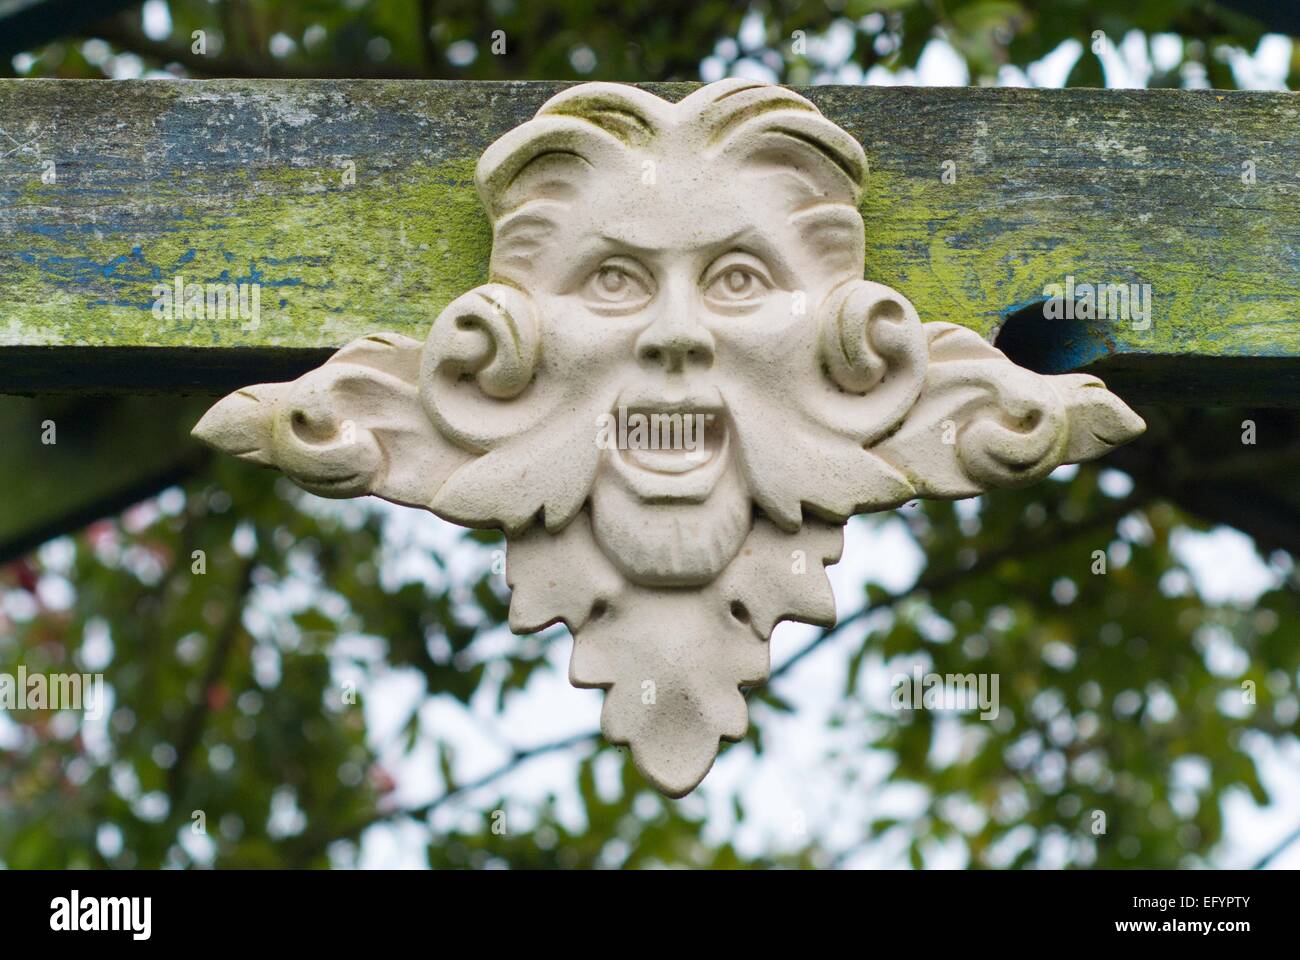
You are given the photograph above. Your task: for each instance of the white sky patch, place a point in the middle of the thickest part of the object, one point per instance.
(1115, 484)
(156, 20)
(1224, 564)
(126, 66)
(281, 45)
(833, 48)
(1137, 60)
(1053, 69)
(1251, 831)
(712, 68)
(939, 65)
(750, 69)
(1166, 51)
(1012, 76)
(752, 31)
(1267, 68)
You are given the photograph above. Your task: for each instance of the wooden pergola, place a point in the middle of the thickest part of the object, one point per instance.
(351, 205)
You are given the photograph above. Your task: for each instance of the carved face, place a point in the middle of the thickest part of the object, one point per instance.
(699, 261)
(674, 289)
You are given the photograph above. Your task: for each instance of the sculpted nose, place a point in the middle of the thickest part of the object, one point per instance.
(674, 342)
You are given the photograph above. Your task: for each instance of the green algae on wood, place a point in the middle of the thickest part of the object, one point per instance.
(352, 204)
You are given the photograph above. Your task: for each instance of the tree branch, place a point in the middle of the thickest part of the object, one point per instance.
(196, 716)
(929, 583)
(934, 581)
(517, 759)
(1277, 851)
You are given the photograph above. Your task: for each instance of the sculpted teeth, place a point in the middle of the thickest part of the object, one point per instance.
(672, 455)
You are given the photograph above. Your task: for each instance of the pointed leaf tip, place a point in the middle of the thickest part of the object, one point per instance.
(239, 424)
(1099, 420)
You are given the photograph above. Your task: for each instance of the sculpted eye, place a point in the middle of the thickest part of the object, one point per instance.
(618, 283)
(736, 280)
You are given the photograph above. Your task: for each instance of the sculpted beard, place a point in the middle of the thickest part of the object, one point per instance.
(670, 544)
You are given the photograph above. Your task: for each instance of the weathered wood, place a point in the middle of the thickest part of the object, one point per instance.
(245, 180)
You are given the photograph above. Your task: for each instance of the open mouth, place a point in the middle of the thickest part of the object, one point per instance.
(671, 450)
(670, 441)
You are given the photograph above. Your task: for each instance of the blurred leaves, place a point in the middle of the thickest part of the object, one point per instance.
(1109, 689)
(227, 697)
(785, 40)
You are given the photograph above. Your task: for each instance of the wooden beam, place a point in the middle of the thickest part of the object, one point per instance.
(977, 200)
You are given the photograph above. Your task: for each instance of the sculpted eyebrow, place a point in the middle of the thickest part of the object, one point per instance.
(522, 233)
(827, 216)
(831, 229)
(550, 176)
(825, 212)
(753, 241)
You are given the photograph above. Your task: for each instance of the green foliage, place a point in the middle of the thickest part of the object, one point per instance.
(642, 39)
(227, 700)
(229, 695)
(1109, 694)
(193, 727)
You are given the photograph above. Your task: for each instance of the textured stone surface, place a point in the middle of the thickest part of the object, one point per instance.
(674, 390)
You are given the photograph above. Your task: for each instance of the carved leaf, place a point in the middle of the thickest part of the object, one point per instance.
(1099, 420)
(350, 427)
(983, 422)
(790, 461)
(776, 577)
(539, 570)
(671, 694)
(549, 473)
(672, 662)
